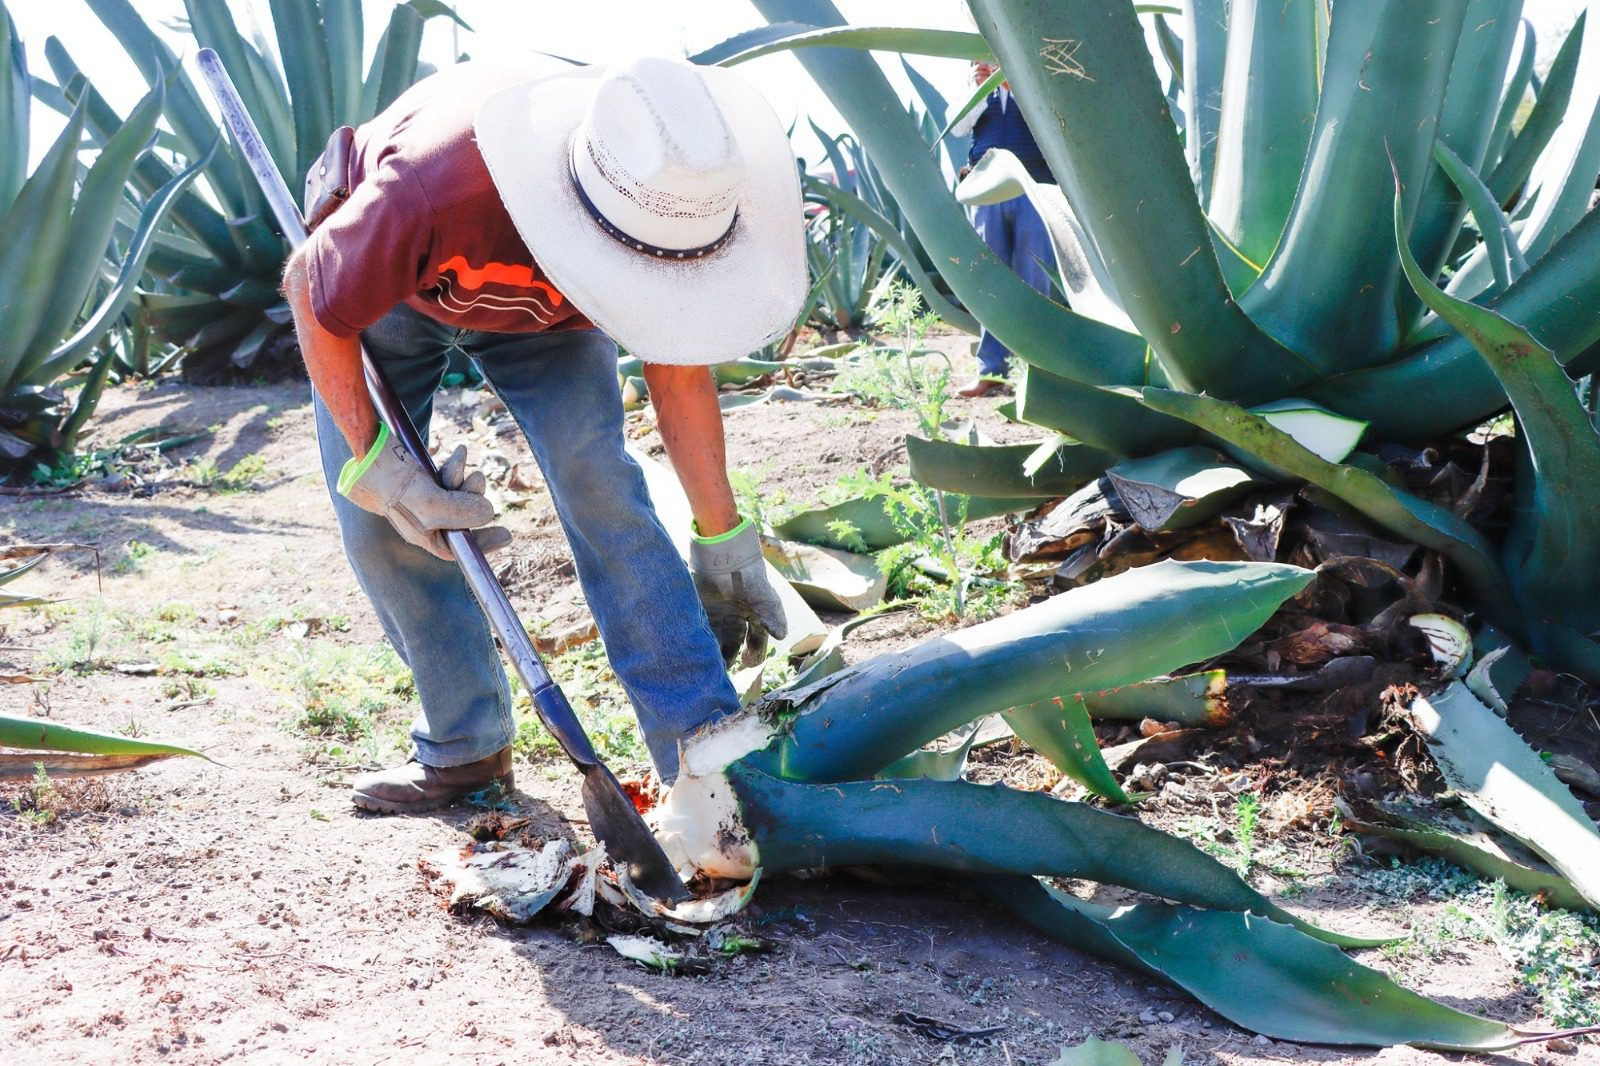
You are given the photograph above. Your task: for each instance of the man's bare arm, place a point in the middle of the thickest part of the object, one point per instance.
(690, 422)
(334, 363)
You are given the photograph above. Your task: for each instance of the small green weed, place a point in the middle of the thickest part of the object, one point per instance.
(1246, 810)
(342, 695)
(1554, 951)
(585, 676)
(36, 802)
(136, 556)
(243, 475)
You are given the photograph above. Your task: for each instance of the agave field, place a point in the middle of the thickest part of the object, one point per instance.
(1232, 692)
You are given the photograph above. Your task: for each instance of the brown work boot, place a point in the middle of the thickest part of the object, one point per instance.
(983, 387)
(414, 787)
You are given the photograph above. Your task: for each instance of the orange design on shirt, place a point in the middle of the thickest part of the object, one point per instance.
(510, 274)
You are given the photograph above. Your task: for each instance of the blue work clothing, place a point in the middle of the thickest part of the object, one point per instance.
(561, 387)
(1000, 125)
(1013, 230)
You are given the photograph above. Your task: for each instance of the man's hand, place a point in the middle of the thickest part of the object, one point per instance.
(740, 603)
(388, 482)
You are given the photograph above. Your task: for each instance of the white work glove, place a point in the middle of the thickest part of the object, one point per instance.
(740, 603)
(388, 482)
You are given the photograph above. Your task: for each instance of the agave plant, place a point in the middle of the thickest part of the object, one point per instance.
(219, 264)
(1250, 245)
(59, 227)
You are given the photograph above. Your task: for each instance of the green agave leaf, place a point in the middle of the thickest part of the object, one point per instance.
(989, 829)
(748, 39)
(1098, 418)
(94, 386)
(937, 763)
(33, 237)
(1549, 109)
(1085, 82)
(193, 215)
(1269, 102)
(1464, 839)
(1329, 291)
(1059, 729)
(947, 44)
(1499, 776)
(1037, 329)
(71, 351)
(394, 65)
(1554, 301)
(15, 86)
(1511, 99)
(1563, 179)
(1093, 1052)
(997, 470)
(1251, 435)
(1564, 535)
(1258, 973)
(1174, 489)
(37, 735)
(345, 30)
(1466, 122)
(185, 111)
(1147, 621)
(438, 8)
(94, 215)
(842, 200)
(1500, 243)
(308, 68)
(1205, 45)
(265, 100)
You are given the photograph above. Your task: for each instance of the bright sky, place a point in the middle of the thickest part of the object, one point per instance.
(594, 30)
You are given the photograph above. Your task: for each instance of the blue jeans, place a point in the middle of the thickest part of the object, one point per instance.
(562, 390)
(1014, 231)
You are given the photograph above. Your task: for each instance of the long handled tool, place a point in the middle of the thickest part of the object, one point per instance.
(612, 815)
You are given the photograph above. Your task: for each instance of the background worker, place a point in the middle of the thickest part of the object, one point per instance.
(1013, 230)
(508, 216)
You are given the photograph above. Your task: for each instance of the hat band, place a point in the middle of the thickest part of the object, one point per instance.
(616, 233)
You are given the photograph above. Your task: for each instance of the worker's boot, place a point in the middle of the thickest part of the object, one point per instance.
(415, 787)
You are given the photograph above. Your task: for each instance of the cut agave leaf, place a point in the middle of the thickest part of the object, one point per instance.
(1468, 841)
(510, 883)
(35, 734)
(1001, 470)
(1059, 730)
(1258, 973)
(1448, 641)
(1324, 433)
(1177, 488)
(1139, 624)
(1189, 699)
(827, 578)
(985, 829)
(1498, 675)
(1093, 1052)
(1499, 776)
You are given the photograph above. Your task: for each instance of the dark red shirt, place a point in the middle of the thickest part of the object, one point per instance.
(424, 225)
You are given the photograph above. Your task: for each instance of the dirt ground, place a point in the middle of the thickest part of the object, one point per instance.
(242, 911)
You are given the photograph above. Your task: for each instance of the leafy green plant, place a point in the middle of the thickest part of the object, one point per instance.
(217, 268)
(73, 245)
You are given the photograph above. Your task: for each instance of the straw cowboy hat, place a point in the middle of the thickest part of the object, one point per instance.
(662, 198)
